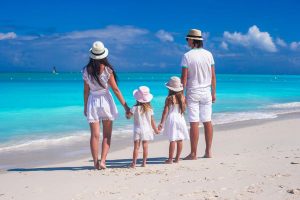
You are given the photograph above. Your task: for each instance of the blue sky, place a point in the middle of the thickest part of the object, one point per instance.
(244, 36)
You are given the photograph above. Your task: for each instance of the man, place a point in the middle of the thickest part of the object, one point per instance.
(199, 80)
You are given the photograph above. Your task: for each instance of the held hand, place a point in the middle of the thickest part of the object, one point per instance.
(213, 97)
(160, 127)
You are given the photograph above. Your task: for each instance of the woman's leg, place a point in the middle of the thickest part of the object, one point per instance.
(107, 131)
(145, 153)
(171, 153)
(94, 142)
(179, 149)
(135, 152)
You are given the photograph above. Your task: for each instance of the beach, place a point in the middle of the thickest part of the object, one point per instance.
(256, 159)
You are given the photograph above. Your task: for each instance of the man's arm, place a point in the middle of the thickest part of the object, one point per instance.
(213, 84)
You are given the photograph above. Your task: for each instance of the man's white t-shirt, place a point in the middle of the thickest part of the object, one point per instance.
(199, 62)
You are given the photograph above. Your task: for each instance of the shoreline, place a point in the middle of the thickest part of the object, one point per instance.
(254, 160)
(57, 154)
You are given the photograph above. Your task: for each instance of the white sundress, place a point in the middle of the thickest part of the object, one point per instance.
(142, 128)
(175, 126)
(100, 104)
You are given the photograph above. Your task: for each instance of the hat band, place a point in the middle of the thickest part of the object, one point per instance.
(98, 54)
(194, 36)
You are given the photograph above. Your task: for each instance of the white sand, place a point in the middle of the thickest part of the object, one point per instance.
(255, 162)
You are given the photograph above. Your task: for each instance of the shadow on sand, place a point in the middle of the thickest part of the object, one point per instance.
(118, 163)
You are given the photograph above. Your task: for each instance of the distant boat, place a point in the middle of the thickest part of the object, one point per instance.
(54, 71)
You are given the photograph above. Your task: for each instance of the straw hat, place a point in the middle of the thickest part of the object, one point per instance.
(174, 84)
(142, 94)
(98, 51)
(194, 34)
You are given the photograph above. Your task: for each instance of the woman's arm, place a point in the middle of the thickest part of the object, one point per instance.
(154, 125)
(115, 88)
(213, 84)
(164, 114)
(86, 91)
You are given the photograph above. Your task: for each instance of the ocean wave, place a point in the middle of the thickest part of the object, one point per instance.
(225, 118)
(291, 105)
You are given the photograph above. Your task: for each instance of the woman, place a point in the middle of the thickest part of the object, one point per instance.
(99, 105)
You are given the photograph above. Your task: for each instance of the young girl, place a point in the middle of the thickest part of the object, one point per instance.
(172, 119)
(144, 123)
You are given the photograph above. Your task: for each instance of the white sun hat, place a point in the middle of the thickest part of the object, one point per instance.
(174, 84)
(142, 94)
(194, 34)
(98, 51)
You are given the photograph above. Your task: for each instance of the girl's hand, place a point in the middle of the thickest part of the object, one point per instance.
(160, 126)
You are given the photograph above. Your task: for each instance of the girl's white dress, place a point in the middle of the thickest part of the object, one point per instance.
(175, 126)
(142, 129)
(100, 104)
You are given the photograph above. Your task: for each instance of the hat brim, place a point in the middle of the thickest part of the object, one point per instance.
(174, 89)
(146, 99)
(95, 57)
(194, 38)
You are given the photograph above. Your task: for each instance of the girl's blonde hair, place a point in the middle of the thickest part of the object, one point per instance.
(179, 98)
(145, 107)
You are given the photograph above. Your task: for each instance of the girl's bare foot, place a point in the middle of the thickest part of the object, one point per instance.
(190, 157)
(169, 161)
(97, 165)
(102, 165)
(132, 165)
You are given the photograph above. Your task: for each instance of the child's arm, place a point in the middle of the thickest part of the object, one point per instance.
(130, 113)
(164, 114)
(154, 125)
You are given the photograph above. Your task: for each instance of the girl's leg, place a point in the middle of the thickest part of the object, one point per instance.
(94, 142)
(135, 152)
(171, 152)
(179, 149)
(145, 153)
(107, 130)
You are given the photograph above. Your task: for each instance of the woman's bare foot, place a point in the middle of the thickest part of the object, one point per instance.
(102, 164)
(190, 157)
(132, 165)
(143, 165)
(169, 161)
(176, 160)
(207, 156)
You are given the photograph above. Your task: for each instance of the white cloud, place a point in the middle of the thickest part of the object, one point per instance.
(295, 46)
(254, 38)
(281, 42)
(164, 36)
(7, 36)
(123, 34)
(224, 45)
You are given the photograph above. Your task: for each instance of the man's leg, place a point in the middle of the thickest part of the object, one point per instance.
(208, 130)
(194, 137)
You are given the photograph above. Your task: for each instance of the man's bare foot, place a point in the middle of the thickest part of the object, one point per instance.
(207, 156)
(132, 165)
(169, 161)
(190, 157)
(102, 165)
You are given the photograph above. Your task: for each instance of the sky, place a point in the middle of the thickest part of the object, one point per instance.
(245, 37)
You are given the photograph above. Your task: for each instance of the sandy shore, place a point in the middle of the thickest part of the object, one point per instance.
(254, 161)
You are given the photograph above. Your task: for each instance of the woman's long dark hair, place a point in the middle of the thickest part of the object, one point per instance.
(93, 69)
(179, 99)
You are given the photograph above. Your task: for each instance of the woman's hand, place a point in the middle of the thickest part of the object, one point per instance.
(160, 126)
(85, 111)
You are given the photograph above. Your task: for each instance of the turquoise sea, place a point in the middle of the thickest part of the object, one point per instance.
(41, 108)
